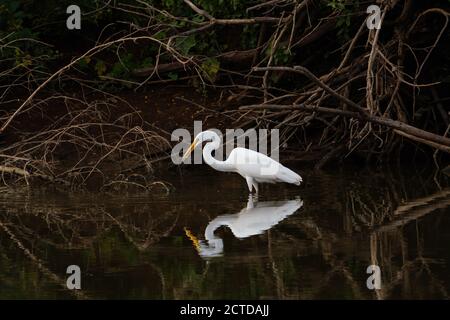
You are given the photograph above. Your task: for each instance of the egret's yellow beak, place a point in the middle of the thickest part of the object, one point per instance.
(190, 149)
(193, 238)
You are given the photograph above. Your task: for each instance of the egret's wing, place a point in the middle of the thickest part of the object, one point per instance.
(254, 221)
(260, 167)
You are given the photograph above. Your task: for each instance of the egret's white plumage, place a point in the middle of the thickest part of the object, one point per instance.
(255, 167)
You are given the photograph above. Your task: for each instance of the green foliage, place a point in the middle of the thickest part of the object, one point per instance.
(100, 67)
(282, 56)
(210, 68)
(233, 8)
(126, 63)
(13, 28)
(249, 36)
(30, 29)
(173, 75)
(44, 22)
(337, 5)
(343, 22)
(217, 8)
(185, 44)
(343, 25)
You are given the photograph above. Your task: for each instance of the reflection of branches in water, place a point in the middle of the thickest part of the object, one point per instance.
(384, 239)
(382, 212)
(79, 225)
(144, 236)
(387, 216)
(416, 209)
(39, 263)
(275, 269)
(37, 225)
(369, 207)
(326, 240)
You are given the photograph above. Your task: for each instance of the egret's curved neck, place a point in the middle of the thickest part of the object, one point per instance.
(210, 160)
(213, 225)
(215, 244)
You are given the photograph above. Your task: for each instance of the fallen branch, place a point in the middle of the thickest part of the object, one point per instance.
(88, 53)
(213, 20)
(416, 134)
(232, 57)
(14, 170)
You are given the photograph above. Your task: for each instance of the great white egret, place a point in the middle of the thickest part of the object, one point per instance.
(255, 167)
(252, 220)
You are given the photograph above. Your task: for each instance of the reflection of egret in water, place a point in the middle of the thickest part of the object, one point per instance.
(252, 220)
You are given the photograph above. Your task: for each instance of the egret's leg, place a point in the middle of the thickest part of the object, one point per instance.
(250, 202)
(255, 185)
(249, 183)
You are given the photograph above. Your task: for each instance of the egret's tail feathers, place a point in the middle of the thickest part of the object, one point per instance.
(298, 182)
(289, 176)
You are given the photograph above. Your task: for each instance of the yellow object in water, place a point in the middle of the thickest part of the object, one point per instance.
(193, 239)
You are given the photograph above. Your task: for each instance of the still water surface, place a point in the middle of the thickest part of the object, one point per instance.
(207, 239)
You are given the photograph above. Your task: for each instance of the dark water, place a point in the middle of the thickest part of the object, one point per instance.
(311, 242)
